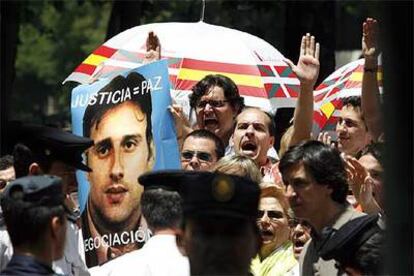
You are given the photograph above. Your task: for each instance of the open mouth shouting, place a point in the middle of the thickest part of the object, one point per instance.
(298, 244)
(115, 193)
(267, 235)
(210, 123)
(249, 148)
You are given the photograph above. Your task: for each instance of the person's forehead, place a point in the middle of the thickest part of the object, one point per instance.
(7, 173)
(253, 116)
(351, 112)
(270, 203)
(199, 144)
(125, 119)
(296, 171)
(215, 93)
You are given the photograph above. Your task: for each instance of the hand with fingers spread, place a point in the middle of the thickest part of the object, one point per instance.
(362, 184)
(369, 39)
(307, 69)
(357, 175)
(325, 138)
(366, 192)
(153, 48)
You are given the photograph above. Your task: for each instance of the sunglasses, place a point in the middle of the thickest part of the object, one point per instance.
(212, 103)
(272, 215)
(200, 155)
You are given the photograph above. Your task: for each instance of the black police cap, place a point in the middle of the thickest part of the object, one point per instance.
(53, 143)
(349, 238)
(207, 194)
(44, 190)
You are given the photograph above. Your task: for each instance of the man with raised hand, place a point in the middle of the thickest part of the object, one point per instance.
(254, 132)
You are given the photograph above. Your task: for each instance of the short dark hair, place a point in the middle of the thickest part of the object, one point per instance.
(27, 224)
(376, 149)
(142, 99)
(231, 92)
(6, 162)
(222, 245)
(24, 155)
(271, 124)
(203, 133)
(354, 101)
(322, 162)
(161, 208)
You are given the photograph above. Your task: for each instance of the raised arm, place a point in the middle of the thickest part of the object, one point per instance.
(307, 71)
(370, 99)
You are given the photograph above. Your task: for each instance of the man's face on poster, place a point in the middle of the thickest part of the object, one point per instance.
(120, 155)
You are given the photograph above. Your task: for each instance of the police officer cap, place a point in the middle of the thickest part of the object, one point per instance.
(207, 194)
(349, 238)
(53, 143)
(44, 190)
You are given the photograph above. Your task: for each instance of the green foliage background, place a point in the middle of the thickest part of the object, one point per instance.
(55, 36)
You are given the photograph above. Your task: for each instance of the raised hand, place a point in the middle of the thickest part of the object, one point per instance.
(325, 138)
(369, 39)
(153, 48)
(357, 176)
(307, 69)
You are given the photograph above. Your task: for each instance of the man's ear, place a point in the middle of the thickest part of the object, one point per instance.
(56, 225)
(34, 169)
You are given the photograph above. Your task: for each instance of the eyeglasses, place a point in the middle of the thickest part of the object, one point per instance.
(272, 215)
(201, 155)
(212, 103)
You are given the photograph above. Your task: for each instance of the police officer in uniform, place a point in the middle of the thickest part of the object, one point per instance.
(36, 218)
(219, 232)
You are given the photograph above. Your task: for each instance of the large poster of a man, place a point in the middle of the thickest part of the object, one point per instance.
(133, 133)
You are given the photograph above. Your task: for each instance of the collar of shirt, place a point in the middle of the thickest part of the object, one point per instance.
(26, 265)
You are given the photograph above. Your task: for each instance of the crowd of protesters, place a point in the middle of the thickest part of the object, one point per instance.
(237, 207)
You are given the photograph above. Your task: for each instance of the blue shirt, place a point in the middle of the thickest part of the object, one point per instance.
(26, 265)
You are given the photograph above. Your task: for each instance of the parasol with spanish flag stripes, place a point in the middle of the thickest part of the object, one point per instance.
(195, 50)
(345, 81)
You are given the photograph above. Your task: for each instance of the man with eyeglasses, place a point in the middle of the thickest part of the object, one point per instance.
(276, 255)
(201, 150)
